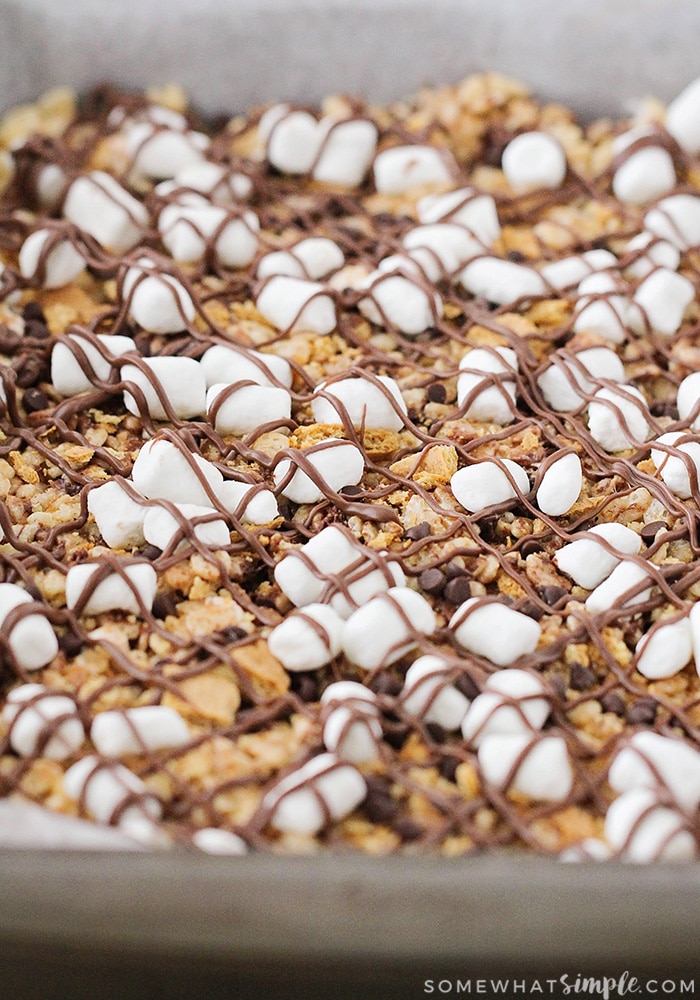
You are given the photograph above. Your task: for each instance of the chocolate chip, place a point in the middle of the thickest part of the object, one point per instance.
(407, 828)
(386, 683)
(580, 677)
(418, 531)
(516, 256)
(466, 685)
(149, 552)
(305, 686)
(437, 393)
(36, 330)
(70, 644)
(164, 605)
(529, 546)
(34, 400)
(9, 340)
(448, 767)
(454, 570)
(552, 595)
(664, 408)
(351, 491)
(33, 311)
(612, 702)
(531, 609)
(395, 734)
(437, 733)
(31, 371)
(232, 633)
(650, 531)
(432, 581)
(642, 712)
(458, 590)
(379, 806)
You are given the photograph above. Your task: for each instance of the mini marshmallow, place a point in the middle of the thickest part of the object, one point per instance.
(616, 420)
(312, 258)
(161, 527)
(642, 830)
(650, 252)
(601, 308)
(658, 762)
(67, 375)
(570, 271)
(159, 153)
(588, 562)
(231, 364)
(613, 592)
(163, 471)
(307, 639)
(663, 298)
(387, 627)
(42, 722)
(293, 139)
(187, 229)
(243, 410)
(113, 592)
(676, 219)
(364, 582)
(101, 207)
(665, 649)
(683, 117)
(179, 380)
(321, 790)
(118, 516)
(475, 212)
(645, 174)
(494, 631)
(221, 185)
(561, 380)
(61, 265)
(588, 849)
(50, 184)
(560, 486)
(534, 160)
(688, 400)
(402, 168)
(292, 304)
(542, 766)
(247, 502)
(333, 465)
(31, 640)
(351, 729)
(398, 299)
(346, 151)
(367, 404)
(429, 694)
(449, 245)
(512, 702)
(212, 840)
(303, 574)
(694, 620)
(489, 401)
(501, 281)
(487, 483)
(680, 472)
(156, 301)
(104, 788)
(138, 730)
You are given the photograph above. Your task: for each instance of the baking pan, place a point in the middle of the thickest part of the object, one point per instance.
(177, 924)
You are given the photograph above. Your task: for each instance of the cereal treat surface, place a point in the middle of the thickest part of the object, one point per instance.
(350, 472)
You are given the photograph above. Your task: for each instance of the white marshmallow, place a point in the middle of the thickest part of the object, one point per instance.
(616, 421)
(366, 402)
(50, 183)
(67, 375)
(561, 380)
(156, 301)
(626, 577)
(307, 639)
(161, 527)
(694, 620)
(346, 151)
(663, 298)
(397, 299)
(212, 840)
(493, 403)
(179, 380)
(475, 212)
(292, 304)
(364, 582)
(688, 400)
(243, 410)
(661, 763)
(323, 789)
(334, 464)
(312, 258)
(159, 153)
(387, 627)
(62, 264)
(588, 849)
(221, 185)
(187, 229)
(113, 593)
(402, 168)
(429, 694)
(101, 207)
(645, 174)
(512, 702)
(665, 649)
(641, 830)
(560, 486)
(32, 639)
(569, 271)
(118, 516)
(42, 722)
(351, 727)
(680, 472)
(231, 364)
(676, 219)
(650, 252)
(543, 774)
(449, 245)
(486, 483)
(303, 574)
(105, 787)
(249, 502)
(683, 117)
(164, 471)
(138, 730)
(293, 139)
(534, 160)
(501, 281)
(601, 308)
(494, 631)
(588, 562)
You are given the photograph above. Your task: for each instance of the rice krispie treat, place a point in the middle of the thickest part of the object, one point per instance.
(349, 469)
